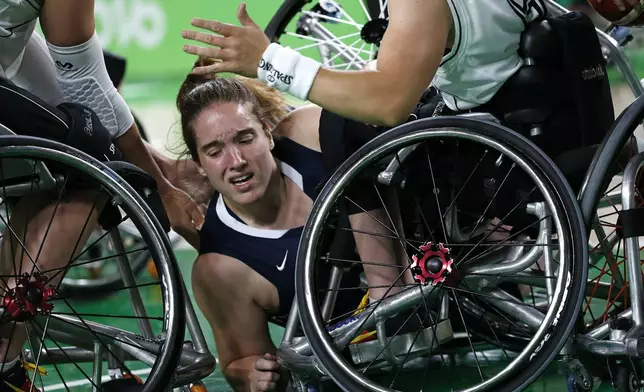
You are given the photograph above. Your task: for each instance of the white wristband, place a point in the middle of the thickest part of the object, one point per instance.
(287, 70)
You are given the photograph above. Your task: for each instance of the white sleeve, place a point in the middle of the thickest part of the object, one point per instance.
(83, 79)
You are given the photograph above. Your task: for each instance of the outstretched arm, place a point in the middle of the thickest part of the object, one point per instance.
(409, 56)
(68, 26)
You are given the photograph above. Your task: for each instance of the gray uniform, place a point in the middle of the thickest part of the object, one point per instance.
(484, 54)
(24, 56)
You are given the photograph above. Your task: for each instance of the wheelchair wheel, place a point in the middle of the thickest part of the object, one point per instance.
(608, 300)
(58, 203)
(343, 35)
(607, 289)
(95, 276)
(492, 238)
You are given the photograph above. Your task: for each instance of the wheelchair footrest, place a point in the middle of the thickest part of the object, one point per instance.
(428, 340)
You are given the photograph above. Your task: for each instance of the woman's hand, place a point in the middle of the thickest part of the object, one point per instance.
(185, 216)
(187, 200)
(185, 175)
(265, 375)
(238, 49)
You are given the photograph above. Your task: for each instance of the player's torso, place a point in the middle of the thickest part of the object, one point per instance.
(484, 55)
(18, 20)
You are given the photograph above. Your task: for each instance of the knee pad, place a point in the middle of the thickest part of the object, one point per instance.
(88, 134)
(83, 78)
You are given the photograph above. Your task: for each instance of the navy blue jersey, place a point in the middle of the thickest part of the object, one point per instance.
(272, 253)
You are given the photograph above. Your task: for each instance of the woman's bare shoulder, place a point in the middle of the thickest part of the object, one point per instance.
(302, 126)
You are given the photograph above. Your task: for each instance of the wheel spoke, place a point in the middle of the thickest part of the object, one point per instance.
(469, 338)
(364, 8)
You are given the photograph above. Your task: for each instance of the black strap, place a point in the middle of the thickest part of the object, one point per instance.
(87, 133)
(630, 223)
(145, 186)
(585, 70)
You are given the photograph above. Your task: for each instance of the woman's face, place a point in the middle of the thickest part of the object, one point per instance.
(234, 151)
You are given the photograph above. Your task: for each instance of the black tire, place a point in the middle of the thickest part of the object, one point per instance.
(606, 158)
(285, 13)
(625, 379)
(567, 208)
(163, 371)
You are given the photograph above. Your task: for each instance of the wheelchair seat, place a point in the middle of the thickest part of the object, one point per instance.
(560, 98)
(526, 98)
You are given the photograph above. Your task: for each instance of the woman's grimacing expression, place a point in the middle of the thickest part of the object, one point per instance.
(234, 151)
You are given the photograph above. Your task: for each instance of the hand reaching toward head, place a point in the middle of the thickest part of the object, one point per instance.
(236, 49)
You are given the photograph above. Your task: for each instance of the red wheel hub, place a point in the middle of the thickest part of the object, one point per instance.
(29, 298)
(433, 265)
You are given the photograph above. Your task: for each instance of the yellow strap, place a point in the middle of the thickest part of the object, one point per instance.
(31, 367)
(363, 337)
(363, 303)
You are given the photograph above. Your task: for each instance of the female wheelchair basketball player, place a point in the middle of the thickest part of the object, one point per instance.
(449, 44)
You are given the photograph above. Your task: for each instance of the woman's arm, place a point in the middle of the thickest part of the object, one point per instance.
(68, 26)
(234, 299)
(409, 56)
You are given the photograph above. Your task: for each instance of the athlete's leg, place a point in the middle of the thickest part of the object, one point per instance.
(235, 300)
(32, 215)
(43, 236)
(378, 247)
(371, 214)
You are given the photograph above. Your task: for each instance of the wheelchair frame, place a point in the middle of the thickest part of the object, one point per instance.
(296, 353)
